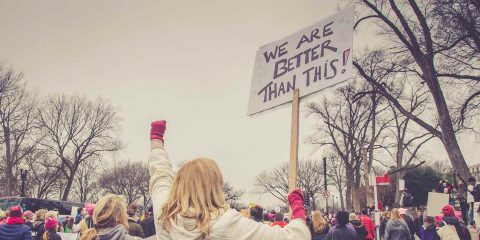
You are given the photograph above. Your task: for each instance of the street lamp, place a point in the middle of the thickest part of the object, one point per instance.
(23, 174)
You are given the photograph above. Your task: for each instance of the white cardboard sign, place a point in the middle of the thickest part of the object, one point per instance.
(401, 184)
(435, 203)
(316, 57)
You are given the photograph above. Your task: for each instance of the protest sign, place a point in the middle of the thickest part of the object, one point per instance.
(317, 57)
(73, 213)
(435, 203)
(68, 236)
(401, 184)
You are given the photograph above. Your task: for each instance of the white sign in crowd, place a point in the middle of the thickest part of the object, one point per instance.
(310, 60)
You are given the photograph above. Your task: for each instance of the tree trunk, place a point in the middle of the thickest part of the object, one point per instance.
(368, 189)
(341, 199)
(355, 199)
(10, 178)
(448, 137)
(350, 183)
(68, 187)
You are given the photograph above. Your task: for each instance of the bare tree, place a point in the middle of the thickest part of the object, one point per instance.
(76, 131)
(17, 124)
(275, 181)
(344, 121)
(230, 193)
(42, 180)
(402, 141)
(336, 174)
(411, 27)
(126, 179)
(458, 41)
(86, 188)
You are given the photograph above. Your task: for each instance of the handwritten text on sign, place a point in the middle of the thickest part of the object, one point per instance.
(312, 59)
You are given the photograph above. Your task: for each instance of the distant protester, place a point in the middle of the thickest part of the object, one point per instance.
(428, 231)
(368, 224)
(452, 229)
(134, 229)
(396, 228)
(148, 224)
(39, 224)
(2, 217)
(341, 231)
(256, 213)
(278, 220)
(54, 214)
(201, 214)
(28, 218)
(358, 225)
(319, 227)
(51, 225)
(14, 227)
(110, 220)
(79, 215)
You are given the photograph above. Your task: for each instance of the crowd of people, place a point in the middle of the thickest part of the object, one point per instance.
(189, 204)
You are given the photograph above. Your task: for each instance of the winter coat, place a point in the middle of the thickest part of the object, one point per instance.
(453, 230)
(319, 236)
(134, 229)
(407, 200)
(418, 223)
(360, 229)
(342, 233)
(15, 232)
(29, 224)
(383, 224)
(53, 235)
(396, 230)
(429, 233)
(116, 233)
(369, 226)
(38, 229)
(230, 225)
(411, 226)
(148, 226)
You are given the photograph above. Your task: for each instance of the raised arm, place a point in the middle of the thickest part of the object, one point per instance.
(160, 167)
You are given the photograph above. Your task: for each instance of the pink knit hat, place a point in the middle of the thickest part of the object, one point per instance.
(28, 214)
(448, 210)
(89, 207)
(51, 223)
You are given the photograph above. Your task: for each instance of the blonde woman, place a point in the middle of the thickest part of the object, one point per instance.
(110, 220)
(190, 205)
(319, 226)
(39, 224)
(396, 228)
(54, 214)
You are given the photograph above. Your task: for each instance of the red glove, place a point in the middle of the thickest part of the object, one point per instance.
(157, 130)
(295, 198)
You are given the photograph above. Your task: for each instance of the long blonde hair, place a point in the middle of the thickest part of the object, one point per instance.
(197, 193)
(109, 211)
(40, 214)
(395, 214)
(319, 224)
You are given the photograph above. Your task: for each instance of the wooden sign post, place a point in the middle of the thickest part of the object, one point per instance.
(292, 170)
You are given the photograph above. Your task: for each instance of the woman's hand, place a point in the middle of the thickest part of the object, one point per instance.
(157, 130)
(295, 198)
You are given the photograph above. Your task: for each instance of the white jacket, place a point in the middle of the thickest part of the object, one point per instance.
(229, 226)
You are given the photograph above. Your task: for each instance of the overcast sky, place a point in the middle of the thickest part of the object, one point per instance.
(189, 62)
